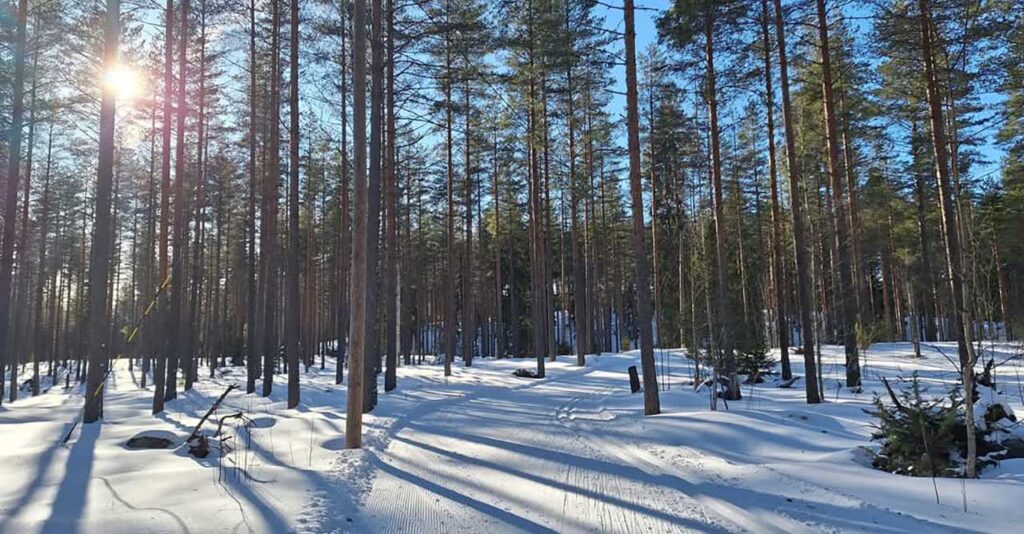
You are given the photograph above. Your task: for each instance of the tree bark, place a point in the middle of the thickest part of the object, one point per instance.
(725, 314)
(373, 360)
(468, 296)
(23, 345)
(10, 206)
(357, 324)
(345, 247)
(845, 292)
(252, 300)
(159, 372)
(449, 309)
(579, 274)
(391, 185)
(271, 179)
(39, 339)
(99, 261)
(537, 259)
(652, 403)
(803, 264)
(778, 264)
(927, 282)
(179, 231)
(292, 326)
(194, 323)
(499, 289)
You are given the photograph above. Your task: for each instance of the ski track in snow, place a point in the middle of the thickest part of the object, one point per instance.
(486, 452)
(477, 464)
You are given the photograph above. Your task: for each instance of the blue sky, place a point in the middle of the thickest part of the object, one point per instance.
(646, 33)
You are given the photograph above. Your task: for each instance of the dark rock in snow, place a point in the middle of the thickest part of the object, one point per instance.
(199, 447)
(525, 373)
(151, 439)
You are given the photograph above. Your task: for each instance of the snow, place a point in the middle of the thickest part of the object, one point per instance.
(483, 451)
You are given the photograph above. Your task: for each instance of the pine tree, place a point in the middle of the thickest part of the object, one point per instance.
(685, 23)
(11, 194)
(99, 261)
(652, 403)
(292, 327)
(846, 290)
(357, 324)
(961, 318)
(800, 239)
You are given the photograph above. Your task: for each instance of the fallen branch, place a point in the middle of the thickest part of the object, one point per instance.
(210, 412)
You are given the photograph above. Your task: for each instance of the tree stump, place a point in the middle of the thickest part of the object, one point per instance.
(634, 379)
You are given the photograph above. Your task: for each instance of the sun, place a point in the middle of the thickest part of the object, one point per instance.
(124, 81)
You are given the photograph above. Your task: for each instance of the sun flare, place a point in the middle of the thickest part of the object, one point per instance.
(124, 81)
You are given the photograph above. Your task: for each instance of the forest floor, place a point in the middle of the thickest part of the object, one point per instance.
(483, 451)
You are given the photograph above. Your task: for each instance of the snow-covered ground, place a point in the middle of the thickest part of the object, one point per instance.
(484, 451)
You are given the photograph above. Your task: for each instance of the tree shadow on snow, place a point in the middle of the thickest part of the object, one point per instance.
(504, 516)
(42, 465)
(728, 500)
(72, 495)
(606, 498)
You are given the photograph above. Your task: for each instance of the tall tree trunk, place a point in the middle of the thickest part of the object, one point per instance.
(725, 314)
(803, 263)
(408, 282)
(10, 206)
(391, 185)
(846, 289)
(22, 343)
(99, 261)
(683, 295)
(271, 179)
(449, 290)
(345, 233)
(175, 325)
(778, 264)
(251, 298)
(654, 214)
(159, 372)
(218, 328)
(652, 403)
(537, 258)
(199, 240)
(591, 272)
(468, 296)
(39, 339)
(374, 205)
(961, 317)
(547, 255)
(292, 326)
(357, 325)
(927, 283)
(579, 274)
(861, 284)
(499, 289)
(147, 276)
